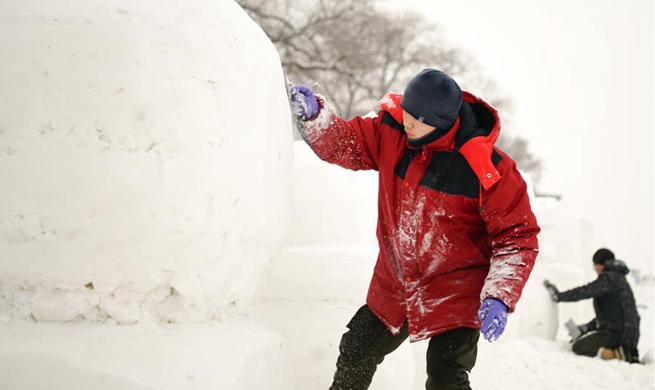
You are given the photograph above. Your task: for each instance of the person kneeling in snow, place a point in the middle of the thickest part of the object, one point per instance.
(457, 236)
(614, 333)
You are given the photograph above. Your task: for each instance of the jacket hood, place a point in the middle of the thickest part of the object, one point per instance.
(616, 266)
(478, 119)
(474, 133)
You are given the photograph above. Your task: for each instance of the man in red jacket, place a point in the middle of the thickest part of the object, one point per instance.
(457, 237)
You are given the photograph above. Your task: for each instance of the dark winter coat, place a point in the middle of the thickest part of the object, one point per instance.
(454, 219)
(614, 303)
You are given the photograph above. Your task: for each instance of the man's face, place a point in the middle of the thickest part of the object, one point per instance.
(414, 128)
(599, 268)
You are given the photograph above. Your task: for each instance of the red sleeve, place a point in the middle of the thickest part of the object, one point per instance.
(353, 144)
(512, 230)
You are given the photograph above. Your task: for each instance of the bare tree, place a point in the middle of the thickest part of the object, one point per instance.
(356, 53)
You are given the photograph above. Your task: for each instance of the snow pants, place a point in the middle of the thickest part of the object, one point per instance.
(450, 355)
(589, 344)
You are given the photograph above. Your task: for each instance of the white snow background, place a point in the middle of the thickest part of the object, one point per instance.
(146, 178)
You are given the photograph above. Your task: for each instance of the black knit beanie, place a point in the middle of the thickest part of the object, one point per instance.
(433, 98)
(602, 255)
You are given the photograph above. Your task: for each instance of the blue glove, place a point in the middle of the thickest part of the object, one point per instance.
(493, 315)
(303, 102)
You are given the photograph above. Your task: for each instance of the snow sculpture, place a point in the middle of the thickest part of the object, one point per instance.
(145, 159)
(345, 192)
(561, 242)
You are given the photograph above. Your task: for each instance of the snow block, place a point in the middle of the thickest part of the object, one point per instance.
(562, 235)
(536, 314)
(145, 159)
(322, 273)
(332, 205)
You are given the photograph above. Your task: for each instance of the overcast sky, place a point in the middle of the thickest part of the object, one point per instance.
(580, 74)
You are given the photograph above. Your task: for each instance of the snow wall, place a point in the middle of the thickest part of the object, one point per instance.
(145, 160)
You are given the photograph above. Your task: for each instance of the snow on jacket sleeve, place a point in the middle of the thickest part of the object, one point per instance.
(353, 144)
(512, 229)
(599, 287)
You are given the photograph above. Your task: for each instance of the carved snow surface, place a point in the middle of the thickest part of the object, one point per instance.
(145, 159)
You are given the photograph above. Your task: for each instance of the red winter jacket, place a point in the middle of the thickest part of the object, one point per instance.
(454, 219)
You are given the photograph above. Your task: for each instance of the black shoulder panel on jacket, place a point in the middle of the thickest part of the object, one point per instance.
(449, 172)
(403, 164)
(388, 119)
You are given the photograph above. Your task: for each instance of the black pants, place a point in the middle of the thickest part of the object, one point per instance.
(450, 356)
(589, 344)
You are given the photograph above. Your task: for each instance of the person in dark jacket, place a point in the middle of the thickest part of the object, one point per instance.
(457, 236)
(614, 333)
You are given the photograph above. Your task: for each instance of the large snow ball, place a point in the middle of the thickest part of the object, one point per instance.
(145, 159)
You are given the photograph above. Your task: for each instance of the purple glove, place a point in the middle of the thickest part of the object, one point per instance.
(303, 102)
(493, 315)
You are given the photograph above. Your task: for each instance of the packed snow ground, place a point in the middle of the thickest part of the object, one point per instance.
(286, 344)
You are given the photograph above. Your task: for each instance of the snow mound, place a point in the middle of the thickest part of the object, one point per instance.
(145, 160)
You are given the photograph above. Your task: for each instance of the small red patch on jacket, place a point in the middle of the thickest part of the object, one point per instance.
(477, 153)
(391, 104)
